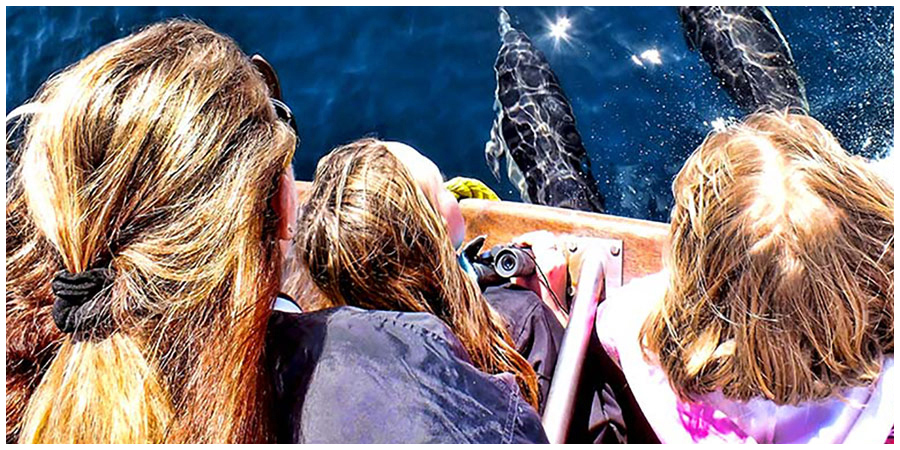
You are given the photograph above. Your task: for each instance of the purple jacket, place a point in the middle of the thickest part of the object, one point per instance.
(347, 375)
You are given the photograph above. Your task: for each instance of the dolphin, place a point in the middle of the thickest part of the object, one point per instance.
(748, 53)
(535, 129)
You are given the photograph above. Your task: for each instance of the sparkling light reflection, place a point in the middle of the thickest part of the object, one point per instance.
(719, 124)
(560, 29)
(652, 56)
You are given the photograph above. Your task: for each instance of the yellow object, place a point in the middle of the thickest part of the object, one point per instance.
(462, 187)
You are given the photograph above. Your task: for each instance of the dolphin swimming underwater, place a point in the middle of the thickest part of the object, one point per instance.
(535, 129)
(747, 52)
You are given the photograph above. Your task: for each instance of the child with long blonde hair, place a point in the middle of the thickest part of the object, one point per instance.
(774, 321)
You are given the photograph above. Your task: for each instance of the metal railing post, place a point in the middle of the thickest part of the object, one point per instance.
(561, 399)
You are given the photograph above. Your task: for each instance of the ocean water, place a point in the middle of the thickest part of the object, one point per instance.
(424, 76)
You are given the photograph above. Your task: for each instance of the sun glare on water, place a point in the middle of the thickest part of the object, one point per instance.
(559, 30)
(651, 56)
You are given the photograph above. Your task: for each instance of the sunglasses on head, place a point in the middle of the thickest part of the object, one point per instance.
(281, 109)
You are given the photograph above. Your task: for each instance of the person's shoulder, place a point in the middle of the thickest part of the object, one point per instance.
(632, 302)
(352, 375)
(512, 301)
(652, 283)
(522, 310)
(353, 324)
(876, 418)
(622, 314)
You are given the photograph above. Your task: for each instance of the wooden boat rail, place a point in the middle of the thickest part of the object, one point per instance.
(643, 241)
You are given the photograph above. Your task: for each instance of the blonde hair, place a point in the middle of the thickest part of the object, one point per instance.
(781, 264)
(372, 239)
(129, 160)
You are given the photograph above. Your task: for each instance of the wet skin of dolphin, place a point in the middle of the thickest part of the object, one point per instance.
(535, 126)
(535, 130)
(747, 52)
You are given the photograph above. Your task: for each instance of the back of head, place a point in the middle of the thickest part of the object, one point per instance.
(372, 239)
(367, 221)
(781, 264)
(154, 158)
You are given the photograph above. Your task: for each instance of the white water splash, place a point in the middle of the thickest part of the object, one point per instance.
(886, 167)
(719, 124)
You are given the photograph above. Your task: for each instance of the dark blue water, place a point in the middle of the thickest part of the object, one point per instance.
(425, 76)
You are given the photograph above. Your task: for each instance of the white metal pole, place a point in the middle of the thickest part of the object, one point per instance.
(561, 399)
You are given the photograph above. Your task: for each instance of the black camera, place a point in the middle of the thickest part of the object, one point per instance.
(512, 262)
(501, 263)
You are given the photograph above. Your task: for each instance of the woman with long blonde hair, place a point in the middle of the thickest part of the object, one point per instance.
(373, 239)
(150, 208)
(774, 319)
(149, 201)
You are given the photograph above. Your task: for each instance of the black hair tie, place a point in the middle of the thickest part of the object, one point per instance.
(78, 307)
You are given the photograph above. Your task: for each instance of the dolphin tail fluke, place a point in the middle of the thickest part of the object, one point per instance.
(503, 20)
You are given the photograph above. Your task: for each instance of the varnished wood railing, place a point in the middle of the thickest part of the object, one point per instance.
(643, 241)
